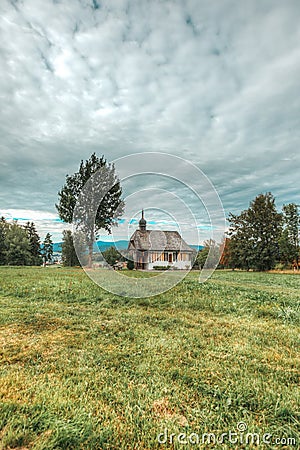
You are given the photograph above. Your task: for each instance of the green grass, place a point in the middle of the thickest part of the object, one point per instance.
(85, 369)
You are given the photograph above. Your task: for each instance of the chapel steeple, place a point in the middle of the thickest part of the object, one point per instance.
(142, 222)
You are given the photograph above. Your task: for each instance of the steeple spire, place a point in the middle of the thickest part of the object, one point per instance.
(142, 222)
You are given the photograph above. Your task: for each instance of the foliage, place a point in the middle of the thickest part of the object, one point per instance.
(111, 255)
(286, 249)
(110, 208)
(69, 256)
(47, 248)
(3, 246)
(201, 258)
(18, 250)
(289, 240)
(208, 255)
(19, 245)
(130, 264)
(255, 234)
(89, 370)
(34, 242)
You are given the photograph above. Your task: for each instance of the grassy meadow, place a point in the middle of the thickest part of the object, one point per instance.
(85, 369)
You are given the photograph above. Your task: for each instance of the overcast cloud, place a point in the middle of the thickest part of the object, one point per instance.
(216, 82)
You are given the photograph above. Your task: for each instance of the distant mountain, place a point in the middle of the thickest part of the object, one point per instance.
(57, 247)
(120, 245)
(104, 245)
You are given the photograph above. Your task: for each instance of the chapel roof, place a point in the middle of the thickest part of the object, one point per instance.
(158, 240)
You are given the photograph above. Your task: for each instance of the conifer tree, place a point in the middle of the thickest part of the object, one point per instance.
(35, 243)
(47, 249)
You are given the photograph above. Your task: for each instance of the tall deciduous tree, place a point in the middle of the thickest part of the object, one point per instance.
(47, 248)
(17, 246)
(110, 208)
(255, 234)
(286, 250)
(289, 241)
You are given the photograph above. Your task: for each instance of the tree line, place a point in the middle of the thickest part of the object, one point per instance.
(260, 238)
(21, 245)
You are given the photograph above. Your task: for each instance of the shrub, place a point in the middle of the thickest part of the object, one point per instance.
(130, 264)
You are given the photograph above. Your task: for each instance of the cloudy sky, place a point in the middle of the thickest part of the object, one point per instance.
(215, 82)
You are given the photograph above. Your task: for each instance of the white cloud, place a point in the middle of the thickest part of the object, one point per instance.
(46, 222)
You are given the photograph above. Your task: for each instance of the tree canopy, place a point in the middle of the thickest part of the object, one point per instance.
(106, 213)
(19, 245)
(111, 255)
(255, 234)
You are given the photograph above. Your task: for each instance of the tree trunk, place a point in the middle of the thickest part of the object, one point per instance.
(90, 258)
(90, 246)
